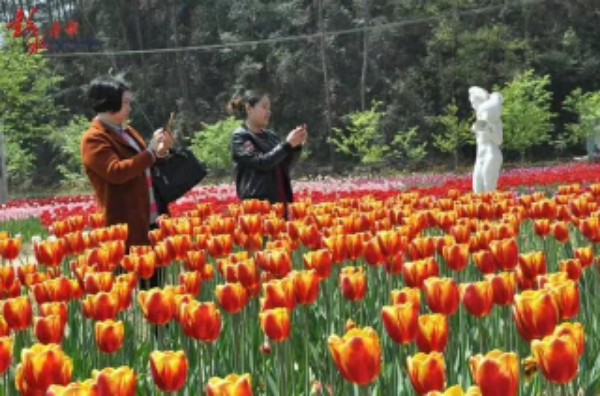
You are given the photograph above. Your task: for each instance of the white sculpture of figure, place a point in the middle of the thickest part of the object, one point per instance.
(488, 132)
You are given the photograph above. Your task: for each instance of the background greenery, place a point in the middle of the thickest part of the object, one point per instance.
(395, 71)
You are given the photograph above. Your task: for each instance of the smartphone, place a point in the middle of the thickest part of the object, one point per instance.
(170, 123)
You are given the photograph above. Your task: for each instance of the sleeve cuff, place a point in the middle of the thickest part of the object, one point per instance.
(152, 154)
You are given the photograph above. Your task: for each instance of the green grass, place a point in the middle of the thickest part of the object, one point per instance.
(27, 228)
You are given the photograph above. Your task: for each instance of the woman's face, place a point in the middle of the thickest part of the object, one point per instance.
(259, 114)
(121, 116)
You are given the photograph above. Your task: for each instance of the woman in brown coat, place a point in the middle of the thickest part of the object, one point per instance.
(117, 160)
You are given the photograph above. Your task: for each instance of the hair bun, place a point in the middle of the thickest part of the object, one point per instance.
(235, 104)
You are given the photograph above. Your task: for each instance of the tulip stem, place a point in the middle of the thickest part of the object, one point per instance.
(202, 364)
(305, 333)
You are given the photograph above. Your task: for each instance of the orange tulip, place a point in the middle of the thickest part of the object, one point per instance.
(415, 272)
(558, 358)
(575, 331)
(201, 321)
(232, 385)
(391, 242)
(76, 243)
(277, 261)
(337, 246)
(406, 294)
(496, 373)
(100, 306)
(566, 294)
(478, 298)
(401, 322)
(58, 289)
(123, 293)
(504, 286)
(18, 313)
(572, 267)
(279, 293)
(6, 353)
(542, 227)
(427, 372)
(49, 252)
(536, 313)
(86, 388)
(357, 355)
(353, 282)
(55, 308)
(169, 370)
(560, 231)
(44, 365)
(421, 248)
(432, 333)
(355, 245)
(306, 286)
(585, 255)
(158, 306)
(442, 295)
(506, 253)
(109, 335)
(394, 264)
(250, 223)
(456, 256)
(457, 390)
(320, 260)
(245, 272)
(274, 226)
(461, 233)
(232, 297)
(97, 282)
(484, 260)
(10, 247)
(276, 323)
(533, 264)
(191, 281)
(220, 245)
(49, 329)
(121, 381)
(195, 260)
(7, 277)
(4, 328)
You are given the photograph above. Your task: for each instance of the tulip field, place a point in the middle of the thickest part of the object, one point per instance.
(408, 286)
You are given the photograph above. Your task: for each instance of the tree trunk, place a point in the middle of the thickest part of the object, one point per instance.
(326, 87)
(363, 74)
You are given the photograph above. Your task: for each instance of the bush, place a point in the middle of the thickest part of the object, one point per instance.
(67, 141)
(526, 114)
(213, 145)
(363, 138)
(587, 108)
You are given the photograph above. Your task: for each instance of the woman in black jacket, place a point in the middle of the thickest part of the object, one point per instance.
(262, 160)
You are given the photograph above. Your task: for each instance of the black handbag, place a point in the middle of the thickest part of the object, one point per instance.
(176, 174)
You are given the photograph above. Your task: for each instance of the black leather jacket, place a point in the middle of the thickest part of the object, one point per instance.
(256, 159)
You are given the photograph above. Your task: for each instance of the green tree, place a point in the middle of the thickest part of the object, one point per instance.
(67, 141)
(27, 110)
(213, 145)
(586, 106)
(526, 115)
(407, 150)
(362, 138)
(455, 133)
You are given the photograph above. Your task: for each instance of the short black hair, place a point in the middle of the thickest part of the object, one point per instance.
(106, 94)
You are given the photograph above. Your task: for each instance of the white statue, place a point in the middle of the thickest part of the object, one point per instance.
(488, 131)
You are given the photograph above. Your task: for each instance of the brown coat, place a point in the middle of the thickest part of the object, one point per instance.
(117, 173)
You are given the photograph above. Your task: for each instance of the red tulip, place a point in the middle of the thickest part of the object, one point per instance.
(169, 370)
